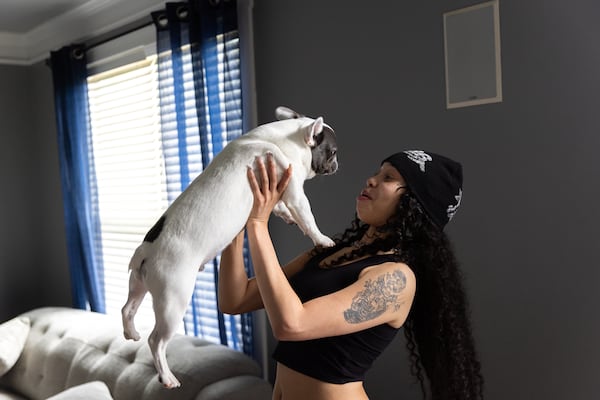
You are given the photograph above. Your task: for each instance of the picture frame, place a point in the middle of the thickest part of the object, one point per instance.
(472, 55)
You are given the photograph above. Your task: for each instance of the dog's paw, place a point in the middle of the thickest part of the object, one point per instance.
(169, 381)
(131, 336)
(323, 241)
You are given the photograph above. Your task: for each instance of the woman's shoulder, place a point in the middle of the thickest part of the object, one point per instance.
(392, 269)
(391, 283)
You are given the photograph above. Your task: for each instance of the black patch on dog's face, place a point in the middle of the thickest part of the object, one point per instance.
(324, 153)
(155, 231)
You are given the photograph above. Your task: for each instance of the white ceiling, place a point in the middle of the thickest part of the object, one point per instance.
(22, 16)
(30, 29)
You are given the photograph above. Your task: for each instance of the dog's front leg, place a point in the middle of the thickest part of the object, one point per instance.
(299, 207)
(282, 212)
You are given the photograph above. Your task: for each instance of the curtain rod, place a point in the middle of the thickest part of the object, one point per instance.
(112, 35)
(115, 34)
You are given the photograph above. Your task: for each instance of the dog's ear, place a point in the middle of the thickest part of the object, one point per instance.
(313, 130)
(282, 112)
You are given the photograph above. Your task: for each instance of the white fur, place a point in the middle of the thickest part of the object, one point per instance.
(206, 217)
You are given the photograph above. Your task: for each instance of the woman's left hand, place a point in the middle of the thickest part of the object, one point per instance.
(269, 191)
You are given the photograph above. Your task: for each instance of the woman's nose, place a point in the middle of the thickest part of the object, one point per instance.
(371, 181)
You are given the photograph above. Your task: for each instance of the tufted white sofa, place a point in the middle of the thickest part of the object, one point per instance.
(67, 348)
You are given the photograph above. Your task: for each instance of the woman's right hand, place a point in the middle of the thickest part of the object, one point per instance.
(269, 191)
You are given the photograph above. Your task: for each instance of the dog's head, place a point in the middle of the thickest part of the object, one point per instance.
(321, 139)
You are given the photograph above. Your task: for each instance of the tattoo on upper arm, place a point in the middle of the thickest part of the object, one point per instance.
(376, 297)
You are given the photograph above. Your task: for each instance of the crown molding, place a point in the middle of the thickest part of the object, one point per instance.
(82, 23)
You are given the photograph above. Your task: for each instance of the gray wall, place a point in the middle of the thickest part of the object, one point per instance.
(33, 266)
(528, 226)
(528, 229)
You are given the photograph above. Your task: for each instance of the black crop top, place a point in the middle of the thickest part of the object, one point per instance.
(336, 359)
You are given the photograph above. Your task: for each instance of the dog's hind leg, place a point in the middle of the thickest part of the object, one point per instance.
(158, 341)
(166, 325)
(169, 304)
(137, 291)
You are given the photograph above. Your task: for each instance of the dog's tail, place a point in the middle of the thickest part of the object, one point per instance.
(138, 258)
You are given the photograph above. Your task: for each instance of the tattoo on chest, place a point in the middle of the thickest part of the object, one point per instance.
(376, 297)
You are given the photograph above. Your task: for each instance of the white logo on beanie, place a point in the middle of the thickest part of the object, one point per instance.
(418, 156)
(453, 207)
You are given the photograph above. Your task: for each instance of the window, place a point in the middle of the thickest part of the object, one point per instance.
(129, 165)
(137, 164)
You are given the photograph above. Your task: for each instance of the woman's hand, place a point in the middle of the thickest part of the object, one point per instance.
(269, 191)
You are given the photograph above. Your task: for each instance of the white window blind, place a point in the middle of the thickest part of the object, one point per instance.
(130, 173)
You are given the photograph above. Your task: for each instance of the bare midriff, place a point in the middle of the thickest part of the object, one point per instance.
(292, 385)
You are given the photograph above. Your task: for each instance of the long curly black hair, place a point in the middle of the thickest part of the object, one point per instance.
(437, 329)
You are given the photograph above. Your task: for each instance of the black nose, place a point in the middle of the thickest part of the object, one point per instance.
(333, 167)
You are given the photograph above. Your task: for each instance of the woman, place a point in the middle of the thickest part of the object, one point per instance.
(335, 310)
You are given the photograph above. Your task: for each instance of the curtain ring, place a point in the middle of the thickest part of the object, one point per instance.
(77, 53)
(182, 12)
(162, 20)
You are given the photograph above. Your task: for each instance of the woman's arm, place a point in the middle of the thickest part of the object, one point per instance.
(383, 294)
(238, 293)
(280, 301)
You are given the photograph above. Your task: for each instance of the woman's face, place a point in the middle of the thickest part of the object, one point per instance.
(379, 199)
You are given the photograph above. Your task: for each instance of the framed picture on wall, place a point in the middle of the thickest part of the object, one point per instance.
(472, 55)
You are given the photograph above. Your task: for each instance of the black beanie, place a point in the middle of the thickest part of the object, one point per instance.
(436, 182)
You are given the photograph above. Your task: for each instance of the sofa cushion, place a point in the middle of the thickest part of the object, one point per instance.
(95, 390)
(10, 395)
(13, 335)
(68, 347)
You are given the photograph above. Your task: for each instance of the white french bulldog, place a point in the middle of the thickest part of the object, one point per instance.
(208, 215)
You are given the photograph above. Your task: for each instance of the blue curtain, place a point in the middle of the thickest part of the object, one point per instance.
(193, 38)
(77, 177)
